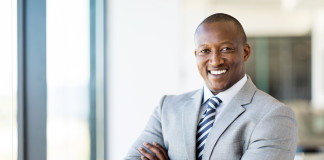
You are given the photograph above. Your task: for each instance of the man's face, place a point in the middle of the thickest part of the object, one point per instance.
(220, 54)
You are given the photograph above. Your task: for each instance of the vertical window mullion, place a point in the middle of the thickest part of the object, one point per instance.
(32, 79)
(97, 80)
(92, 86)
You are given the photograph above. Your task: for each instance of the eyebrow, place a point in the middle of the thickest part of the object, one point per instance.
(203, 45)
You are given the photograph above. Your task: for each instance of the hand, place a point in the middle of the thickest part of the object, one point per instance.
(157, 149)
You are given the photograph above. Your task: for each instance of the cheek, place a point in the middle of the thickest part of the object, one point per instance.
(238, 66)
(236, 60)
(201, 62)
(201, 69)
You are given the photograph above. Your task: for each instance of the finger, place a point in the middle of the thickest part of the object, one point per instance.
(147, 154)
(161, 148)
(144, 158)
(159, 153)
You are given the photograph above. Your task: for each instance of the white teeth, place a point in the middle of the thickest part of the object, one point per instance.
(218, 72)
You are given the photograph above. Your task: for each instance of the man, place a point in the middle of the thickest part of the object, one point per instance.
(229, 118)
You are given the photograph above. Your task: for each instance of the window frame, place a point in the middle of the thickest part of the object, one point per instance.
(32, 89)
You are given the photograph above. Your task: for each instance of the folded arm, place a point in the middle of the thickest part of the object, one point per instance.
(152, 133)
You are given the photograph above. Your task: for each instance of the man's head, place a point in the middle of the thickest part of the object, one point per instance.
(221, 51)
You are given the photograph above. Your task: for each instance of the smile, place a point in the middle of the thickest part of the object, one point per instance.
(218, 72)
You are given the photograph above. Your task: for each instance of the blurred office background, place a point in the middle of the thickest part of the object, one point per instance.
(80, 78)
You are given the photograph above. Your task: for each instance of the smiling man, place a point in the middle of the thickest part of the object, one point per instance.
(229, 118)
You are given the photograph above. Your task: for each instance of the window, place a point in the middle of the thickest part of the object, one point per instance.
(68, 78)
(281, 66)
(60, 79)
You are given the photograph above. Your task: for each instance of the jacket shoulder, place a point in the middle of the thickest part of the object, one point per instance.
(183, 96)
(266, 99)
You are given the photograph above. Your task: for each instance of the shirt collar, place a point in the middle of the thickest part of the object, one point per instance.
(227, 95)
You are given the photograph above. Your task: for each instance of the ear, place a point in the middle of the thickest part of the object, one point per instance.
(195, 52)
(247, 51)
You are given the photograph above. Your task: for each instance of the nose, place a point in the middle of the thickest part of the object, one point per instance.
(216, 59)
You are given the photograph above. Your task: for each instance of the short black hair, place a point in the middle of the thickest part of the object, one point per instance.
(222, 17)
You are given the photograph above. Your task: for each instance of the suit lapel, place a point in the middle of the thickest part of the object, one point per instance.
(230, 113)
(190, 113)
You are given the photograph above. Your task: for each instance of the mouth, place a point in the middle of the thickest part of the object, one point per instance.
(217, 72)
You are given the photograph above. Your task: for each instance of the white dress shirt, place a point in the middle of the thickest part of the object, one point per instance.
(226, 97)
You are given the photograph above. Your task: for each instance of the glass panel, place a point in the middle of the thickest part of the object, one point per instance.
(8, 80)
(68, 71)
(281, 66)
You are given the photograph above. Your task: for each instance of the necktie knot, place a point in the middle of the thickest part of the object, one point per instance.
(213, 102)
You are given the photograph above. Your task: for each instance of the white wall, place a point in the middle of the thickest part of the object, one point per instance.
(146, 59)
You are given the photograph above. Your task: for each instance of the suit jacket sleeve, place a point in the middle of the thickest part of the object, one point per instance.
(274, 137)
(152, 133)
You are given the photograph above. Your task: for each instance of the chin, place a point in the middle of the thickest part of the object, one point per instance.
(217, 89)
(218, 86)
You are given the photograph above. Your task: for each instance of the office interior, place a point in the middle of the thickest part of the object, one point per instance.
(80, 78)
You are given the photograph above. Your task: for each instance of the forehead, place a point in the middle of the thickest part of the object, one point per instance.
(216, 32)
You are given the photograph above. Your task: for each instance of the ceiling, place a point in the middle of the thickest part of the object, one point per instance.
(265, 17)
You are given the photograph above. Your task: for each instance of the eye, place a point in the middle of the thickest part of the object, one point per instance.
(227, 49)
(204, 51)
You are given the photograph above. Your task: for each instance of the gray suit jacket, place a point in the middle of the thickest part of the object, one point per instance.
(254, 126)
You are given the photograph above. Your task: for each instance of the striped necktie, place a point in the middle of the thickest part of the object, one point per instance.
(205, 124)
